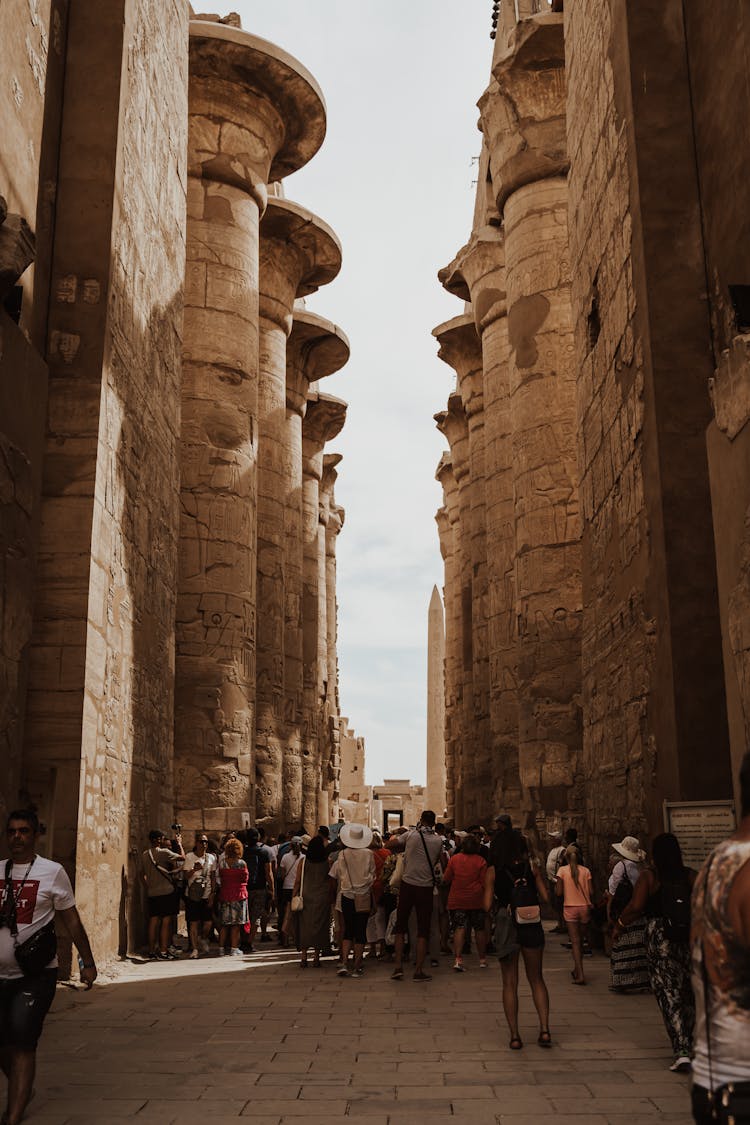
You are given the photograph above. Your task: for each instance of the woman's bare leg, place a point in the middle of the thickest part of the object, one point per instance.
(509, 970)
(532, 960)
(574, 930)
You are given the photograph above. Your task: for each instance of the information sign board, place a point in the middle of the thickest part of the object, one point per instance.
(699, 826)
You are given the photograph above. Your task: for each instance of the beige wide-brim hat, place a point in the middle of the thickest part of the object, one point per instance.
(356, 836)
(629, 848)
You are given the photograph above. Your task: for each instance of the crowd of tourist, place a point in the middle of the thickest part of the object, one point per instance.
(412, 897)
(417, 895)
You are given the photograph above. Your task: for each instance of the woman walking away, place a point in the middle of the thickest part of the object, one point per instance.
(574, 885)
(355, 872)
(628, 955)
(466, 876)
(662, 897)
(232, 879)
(311, 881)
(518, 884)
(290, 863)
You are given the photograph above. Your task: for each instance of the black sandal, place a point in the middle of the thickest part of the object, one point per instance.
(516, 1044)
(545, 1039)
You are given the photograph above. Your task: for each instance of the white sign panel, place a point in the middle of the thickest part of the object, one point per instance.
(699, 826)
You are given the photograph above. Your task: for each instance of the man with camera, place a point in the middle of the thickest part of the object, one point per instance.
(161, 870)
(32, 891)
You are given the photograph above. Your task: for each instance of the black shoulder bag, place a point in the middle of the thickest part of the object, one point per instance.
(34, 954)
(730, 1102)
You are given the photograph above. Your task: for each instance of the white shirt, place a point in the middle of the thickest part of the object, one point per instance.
(288, 869)
(355, 871)
(207, 863)
(618, 874)
(46, 889)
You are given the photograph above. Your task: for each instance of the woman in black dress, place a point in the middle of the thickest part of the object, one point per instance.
(518, 884)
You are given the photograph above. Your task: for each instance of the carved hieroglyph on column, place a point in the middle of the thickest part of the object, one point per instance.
(435, 796)
(298, 253)
(255, 114)
(324, 418)
(477, 274)
(449, 528)
(316, 348)
(523, 118)
(332, 519)
(460, 348)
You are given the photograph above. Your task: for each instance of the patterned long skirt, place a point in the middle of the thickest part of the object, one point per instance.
(628, 959)
(669, 969)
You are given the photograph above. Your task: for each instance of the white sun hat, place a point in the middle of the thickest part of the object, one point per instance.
(629, 848)
(356, 836)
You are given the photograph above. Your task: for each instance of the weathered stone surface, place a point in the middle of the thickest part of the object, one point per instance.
(17, 246)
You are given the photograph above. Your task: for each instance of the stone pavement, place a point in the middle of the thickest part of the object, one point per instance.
(221, 1040)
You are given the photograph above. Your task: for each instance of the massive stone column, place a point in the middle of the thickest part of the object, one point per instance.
(460, 348)
(523, 118)
(477, 274)
(435, 796)
(449, 527)
(315, 348)
(255, 115)
(324, 418)
(332, 518)
(298, 253)
(453, 424)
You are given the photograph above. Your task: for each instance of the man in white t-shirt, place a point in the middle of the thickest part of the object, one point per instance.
(33, 890)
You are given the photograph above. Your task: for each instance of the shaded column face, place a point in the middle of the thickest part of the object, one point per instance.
(478, 274)
(455, 731)
(436, 796)
(547, 525)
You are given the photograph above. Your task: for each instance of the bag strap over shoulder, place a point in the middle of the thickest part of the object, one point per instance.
(430, 864)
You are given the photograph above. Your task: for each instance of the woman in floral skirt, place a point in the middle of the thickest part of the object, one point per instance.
(232, 879)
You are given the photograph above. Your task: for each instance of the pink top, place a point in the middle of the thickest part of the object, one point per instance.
(575, 895)
(465, 873)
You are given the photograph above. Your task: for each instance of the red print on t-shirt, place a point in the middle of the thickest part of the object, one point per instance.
(25, 901)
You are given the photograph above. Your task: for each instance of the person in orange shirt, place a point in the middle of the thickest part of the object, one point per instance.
(574, 885)
(466, 875)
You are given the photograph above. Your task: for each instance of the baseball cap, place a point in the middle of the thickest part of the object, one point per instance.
(503, 818)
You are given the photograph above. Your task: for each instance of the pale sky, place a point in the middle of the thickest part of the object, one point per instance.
(394, 179)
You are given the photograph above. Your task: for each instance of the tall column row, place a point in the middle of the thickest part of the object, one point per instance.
(517, 564)
(244, 745)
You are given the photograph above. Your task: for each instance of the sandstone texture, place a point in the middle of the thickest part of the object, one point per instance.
(611, 488)
(155, 371)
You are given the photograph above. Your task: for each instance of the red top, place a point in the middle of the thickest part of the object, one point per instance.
(380, 856)
(465, 873)
(233, 883)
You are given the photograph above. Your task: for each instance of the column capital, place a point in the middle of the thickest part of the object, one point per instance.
(477, 274)
(299, 252)
(316, 347)
(454, 426)
(443, 526)
(522, 112)
(324, 418)
(447, 480)
(256, 113)
(461, 348)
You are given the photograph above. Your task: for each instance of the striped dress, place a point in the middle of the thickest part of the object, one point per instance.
(628, 960)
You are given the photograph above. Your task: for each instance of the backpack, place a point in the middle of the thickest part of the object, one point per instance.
(675, 908)
(622, 896)
(255, 860)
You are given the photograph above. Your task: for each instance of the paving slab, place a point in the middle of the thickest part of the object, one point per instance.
(211, 1040)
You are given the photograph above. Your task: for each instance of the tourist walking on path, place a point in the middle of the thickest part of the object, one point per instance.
(554, 859)
(32, 891)
(629, 966)
(288, 865)
(159, 866)
(312, 882)
(232, 878)
(662, 898)
(574, 885)
(423, 850)
(466, 877)
(354, 871)
(200, 883)
(720, 947)
(517, 884)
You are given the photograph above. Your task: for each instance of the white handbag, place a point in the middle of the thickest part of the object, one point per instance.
(298, 902)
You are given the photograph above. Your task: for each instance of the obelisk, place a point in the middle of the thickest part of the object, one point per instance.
(436, 781)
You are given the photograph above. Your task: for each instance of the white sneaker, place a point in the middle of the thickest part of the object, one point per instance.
(222, 951)
(236, 952)
(458, 966)
(681, 1065)
(193, 954)
(203, 945)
